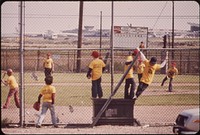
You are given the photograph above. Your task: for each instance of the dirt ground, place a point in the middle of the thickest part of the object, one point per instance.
(95, 130)
(153, 119)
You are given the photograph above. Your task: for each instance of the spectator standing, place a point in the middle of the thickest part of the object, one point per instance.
(141, 45)
(96, 68)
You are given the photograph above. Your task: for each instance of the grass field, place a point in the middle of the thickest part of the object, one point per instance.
(75, 89)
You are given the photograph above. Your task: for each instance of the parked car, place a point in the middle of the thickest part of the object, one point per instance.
(187, 122)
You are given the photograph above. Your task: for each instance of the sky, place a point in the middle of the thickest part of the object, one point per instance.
(50, 15)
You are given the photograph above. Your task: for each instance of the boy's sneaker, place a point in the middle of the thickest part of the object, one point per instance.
(38, 126)
(3, 107)
(55, 126)
(135, 97)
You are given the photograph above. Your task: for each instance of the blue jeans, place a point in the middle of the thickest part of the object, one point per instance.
(96, 88)
(45, 107)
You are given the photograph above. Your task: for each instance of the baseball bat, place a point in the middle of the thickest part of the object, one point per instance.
(4, 74)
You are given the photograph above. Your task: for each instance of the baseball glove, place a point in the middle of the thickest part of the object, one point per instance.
(36, 106)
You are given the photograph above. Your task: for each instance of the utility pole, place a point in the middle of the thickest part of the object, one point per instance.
(172, 29)
(78, 66)
(100, 31)
(112, 48)
(21, 50)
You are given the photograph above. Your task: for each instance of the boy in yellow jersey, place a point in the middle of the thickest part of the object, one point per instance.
(129, 81)
(96, 67)
(171, 72)
(140, 69)
(48, 93)
(48, 65)
(14, 89)
(148, 73)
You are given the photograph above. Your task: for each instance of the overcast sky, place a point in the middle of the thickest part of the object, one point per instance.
(41, 16)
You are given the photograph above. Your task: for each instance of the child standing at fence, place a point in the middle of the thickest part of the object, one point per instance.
(171, 72)
(141, 45)
(48, 93)
(129, 81)
(96, 67)
(48, 65)
(14, 89)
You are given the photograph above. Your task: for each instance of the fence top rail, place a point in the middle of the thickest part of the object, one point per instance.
(43, 49)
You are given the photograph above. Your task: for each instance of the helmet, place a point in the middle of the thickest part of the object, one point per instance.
(135, 52)
(153, 60)
(9, 70)
(95, 54)
(129, 59)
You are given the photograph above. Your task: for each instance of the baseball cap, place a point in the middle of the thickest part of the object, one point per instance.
(95, 54)
(9, 70)
(135, 52)
(153, 60)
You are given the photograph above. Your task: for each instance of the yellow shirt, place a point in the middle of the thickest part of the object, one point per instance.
(48, 63)
(130, 73)
(149, 71)
(140, 68)
(96, 65)
(12, 82)
(46, 92)
(171, 72)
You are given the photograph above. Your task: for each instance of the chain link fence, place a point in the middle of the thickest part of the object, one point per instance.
(73, 96)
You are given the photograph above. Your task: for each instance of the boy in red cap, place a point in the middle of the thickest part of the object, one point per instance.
(96, 67)
(171, 72)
